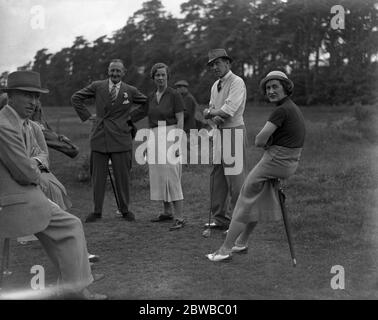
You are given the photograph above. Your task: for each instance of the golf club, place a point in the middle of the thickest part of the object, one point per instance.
(282, 198)
(114, 190)
(207, 232)
(5, 262)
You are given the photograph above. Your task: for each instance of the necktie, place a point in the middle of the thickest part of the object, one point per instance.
(113, 93)
(219, 85)
(26, 134)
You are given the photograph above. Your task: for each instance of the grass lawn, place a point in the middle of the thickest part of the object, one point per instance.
(332, 202)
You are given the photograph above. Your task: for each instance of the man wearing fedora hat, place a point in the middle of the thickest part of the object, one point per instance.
(282, 138)
(24, 209)
(226, 108)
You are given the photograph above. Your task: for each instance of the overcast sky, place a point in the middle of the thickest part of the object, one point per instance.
(29, 25)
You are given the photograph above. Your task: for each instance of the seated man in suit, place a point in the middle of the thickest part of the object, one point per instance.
(24, 208)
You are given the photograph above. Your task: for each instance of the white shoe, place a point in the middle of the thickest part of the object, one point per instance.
(239, 249)
(217, 257)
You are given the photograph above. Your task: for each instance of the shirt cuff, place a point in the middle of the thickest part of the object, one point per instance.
(38, 160)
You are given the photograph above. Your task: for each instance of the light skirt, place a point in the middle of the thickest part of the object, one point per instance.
(165, 179)
(258, 199)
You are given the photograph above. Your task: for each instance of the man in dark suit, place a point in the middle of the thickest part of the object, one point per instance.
(24, 208)
(190, 105)
(118, 106)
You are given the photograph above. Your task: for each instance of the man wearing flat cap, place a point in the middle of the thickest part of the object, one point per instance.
(24, 208)
(190, 105)
(226, 108)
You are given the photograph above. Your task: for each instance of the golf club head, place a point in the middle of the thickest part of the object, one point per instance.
(206, 233)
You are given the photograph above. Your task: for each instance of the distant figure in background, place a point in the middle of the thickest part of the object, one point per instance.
(190, 107)
(118, 106)
(282, 138)
(165, 111)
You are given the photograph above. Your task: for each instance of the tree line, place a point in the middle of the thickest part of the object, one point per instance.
(328, 65)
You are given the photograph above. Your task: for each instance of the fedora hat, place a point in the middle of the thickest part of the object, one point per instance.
(276, 75)
(182, 83)
(217, 53)
(25, 81)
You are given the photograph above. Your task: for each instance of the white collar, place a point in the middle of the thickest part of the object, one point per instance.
(19, 119)
(111, 84)
(226, 76)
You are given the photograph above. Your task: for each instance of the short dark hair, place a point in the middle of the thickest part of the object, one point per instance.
(157, 66)
(288, 89)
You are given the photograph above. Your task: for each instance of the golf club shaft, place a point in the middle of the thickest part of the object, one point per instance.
(287, 225)
(113, 187)
(211, 200)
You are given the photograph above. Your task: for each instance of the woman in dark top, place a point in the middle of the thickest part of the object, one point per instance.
(282, 138)
(165, 114)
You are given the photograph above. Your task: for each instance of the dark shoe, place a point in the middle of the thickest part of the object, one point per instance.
(97, 276)
(177, 225)
(93, 257)
(128, 216)
(214, 225)
(92, 217)
(163, 217)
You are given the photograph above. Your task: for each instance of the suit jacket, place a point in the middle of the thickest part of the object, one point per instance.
(24, 209)
(113, 124)
(38, 148)
(50, 185)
